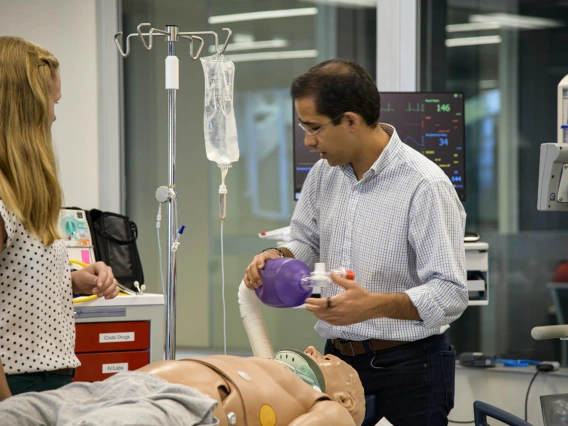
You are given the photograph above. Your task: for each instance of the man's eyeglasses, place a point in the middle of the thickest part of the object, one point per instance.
(315, 131)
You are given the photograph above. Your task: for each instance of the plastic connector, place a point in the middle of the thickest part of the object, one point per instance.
(344, 273)
(176, 243)
(140, 288)
(321, 277)
(159, 216)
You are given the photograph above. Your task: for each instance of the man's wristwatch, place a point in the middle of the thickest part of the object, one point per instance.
(276, 249)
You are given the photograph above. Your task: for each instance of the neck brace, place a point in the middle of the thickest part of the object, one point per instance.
(303, 366)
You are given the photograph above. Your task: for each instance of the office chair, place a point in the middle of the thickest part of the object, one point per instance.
(481, 410)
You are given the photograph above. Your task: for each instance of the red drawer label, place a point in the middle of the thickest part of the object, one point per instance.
(99, 366)
(112, 336)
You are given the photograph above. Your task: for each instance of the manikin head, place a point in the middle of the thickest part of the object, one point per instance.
(342, 383)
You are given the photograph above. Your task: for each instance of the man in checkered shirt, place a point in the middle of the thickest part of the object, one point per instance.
(376, 206)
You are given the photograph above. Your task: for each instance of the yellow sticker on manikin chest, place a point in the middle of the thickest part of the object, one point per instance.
(267, 416)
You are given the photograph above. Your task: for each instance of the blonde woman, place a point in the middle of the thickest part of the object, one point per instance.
(37, 330)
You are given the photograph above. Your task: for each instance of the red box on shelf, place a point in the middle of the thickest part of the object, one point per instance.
(112, 336)
(101, 365)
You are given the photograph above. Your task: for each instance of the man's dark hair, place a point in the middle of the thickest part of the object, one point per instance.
(339, 86)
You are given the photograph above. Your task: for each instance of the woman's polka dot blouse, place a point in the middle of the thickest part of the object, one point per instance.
(37, 328)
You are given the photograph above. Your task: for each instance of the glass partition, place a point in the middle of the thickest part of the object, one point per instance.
(505, 56)
(273, 41)
(269, 52)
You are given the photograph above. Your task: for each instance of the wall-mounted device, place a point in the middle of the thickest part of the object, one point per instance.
(553, 168)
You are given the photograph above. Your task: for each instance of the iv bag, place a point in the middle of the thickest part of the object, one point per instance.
(220, 127)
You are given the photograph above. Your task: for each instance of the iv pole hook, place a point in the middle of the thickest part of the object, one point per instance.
(214, 34)
(122, 52)
(190, 38)
(229, 34)
(139, 30)
(198, 50)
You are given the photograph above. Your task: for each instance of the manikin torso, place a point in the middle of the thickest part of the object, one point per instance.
(270, 391)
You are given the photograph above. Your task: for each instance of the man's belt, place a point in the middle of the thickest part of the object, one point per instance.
(353, 348)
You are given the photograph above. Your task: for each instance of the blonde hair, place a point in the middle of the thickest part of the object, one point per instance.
(29, 186)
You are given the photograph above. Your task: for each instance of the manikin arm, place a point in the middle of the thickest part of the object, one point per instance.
(325, 413)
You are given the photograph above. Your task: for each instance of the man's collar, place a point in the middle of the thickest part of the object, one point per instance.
(389, 152)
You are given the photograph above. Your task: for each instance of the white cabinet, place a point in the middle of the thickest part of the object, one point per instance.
(477, 263)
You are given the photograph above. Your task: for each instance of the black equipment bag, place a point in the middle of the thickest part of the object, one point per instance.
(114, 239)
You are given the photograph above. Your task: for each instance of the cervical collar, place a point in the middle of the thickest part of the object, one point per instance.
(303, 366)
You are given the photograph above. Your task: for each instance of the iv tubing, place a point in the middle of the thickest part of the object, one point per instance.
(82, 299)
(161, 262)
(222, 214)
(158, 225)
(223, 292)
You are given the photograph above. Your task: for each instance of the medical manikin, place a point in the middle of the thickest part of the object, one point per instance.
(293, 389)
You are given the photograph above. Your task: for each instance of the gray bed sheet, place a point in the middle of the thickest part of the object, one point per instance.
(127, 398)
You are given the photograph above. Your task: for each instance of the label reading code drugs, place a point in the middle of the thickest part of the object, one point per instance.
(116, 337)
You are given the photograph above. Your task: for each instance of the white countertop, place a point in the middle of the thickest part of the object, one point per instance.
(476, 246)
(500, 368)
(141, 299)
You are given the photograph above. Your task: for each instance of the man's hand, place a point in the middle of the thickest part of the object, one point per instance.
(96, 278)
(354, 305)
(252, 276)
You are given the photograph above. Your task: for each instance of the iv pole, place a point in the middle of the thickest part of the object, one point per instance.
(172, 35)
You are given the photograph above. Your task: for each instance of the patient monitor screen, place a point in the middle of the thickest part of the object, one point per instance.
(431, 123)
